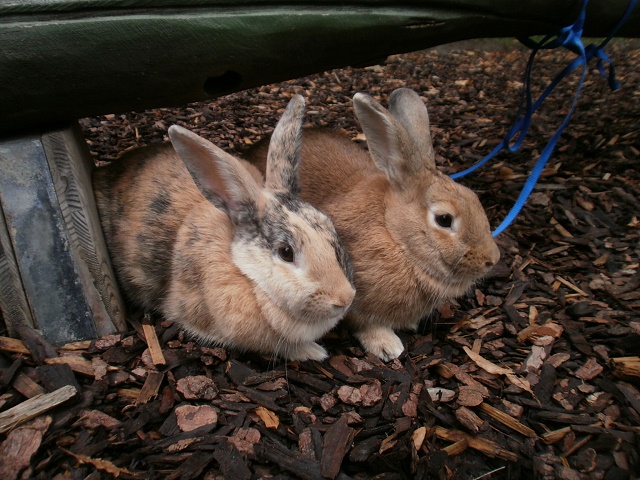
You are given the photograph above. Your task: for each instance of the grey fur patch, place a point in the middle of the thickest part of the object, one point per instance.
(212, 197)
(289, 201)
(189, 271)
(276, 230)
(160, 204)
(343, 259)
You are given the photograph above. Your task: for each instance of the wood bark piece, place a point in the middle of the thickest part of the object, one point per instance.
(507, 420)
(296, 464)
(555, 435)
(154, 345)
(197, 387)
(632, 394)
(335, 446)
(40, 349)
(77, 363)
(487, 447)
(231, 462)
(456, 448)
(34, 406)
(20, 446)
(269, 418)
(626, 367)
(55, 376)
(469, 419)
(26, 386)
(150, 388)
(190, 417)
(13, 345)
(7, 374)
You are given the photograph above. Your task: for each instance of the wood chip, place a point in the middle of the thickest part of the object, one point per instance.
(626, 367)
(487, 447)
(334, 447)
(34, 407)
(77, 363)
(190, 417)
(590, 370)
(26, 386)
(197, 387)
(150, 388)
(13, 345)
(154, 345)
(269, 418)
(507, 420)
(20, 446)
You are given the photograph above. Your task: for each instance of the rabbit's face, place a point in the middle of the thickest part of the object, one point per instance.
(291, 252)
(443, 227)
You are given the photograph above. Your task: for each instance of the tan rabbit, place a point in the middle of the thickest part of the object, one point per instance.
(194, 235)
(415, 237)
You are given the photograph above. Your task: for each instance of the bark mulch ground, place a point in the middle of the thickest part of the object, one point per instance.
(534, 374)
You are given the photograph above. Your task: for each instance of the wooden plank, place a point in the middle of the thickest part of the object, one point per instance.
(70, 164)
(39, 347)
(49, 213)
(37, 236)
(33, 407)
(13, 300)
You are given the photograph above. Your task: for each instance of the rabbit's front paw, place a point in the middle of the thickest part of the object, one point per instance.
(307, 351)
(381, 341)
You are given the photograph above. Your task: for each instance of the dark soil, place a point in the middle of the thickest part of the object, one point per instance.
(558, 319)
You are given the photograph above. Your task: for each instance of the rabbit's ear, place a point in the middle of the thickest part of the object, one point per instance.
(284, 149)
(388, 141)
(407, 106)
(220, 177)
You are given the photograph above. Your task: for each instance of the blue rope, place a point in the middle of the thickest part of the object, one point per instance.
(570, 38)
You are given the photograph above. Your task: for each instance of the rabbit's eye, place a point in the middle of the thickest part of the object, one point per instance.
(285, 251)
(445, 220)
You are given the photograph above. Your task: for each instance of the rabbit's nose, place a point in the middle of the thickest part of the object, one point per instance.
(339, 310)
(494, 256)
(343, 301)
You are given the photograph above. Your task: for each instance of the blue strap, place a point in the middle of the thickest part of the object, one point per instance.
(570, 38)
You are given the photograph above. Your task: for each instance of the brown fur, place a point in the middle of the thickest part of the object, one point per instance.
(404, 265)
(194, 235)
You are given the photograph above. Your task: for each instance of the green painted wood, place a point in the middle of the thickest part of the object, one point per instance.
(65, 59)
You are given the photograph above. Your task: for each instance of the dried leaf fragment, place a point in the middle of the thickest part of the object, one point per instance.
(486, 364)
(100, 464)
(496, 370)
